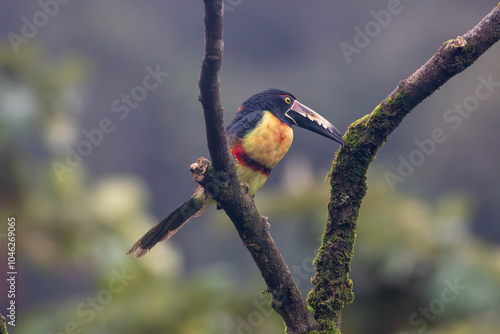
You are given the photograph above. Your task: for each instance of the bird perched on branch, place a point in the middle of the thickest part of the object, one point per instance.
(259, 136)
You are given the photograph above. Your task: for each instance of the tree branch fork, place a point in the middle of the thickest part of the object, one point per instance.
(332, 286)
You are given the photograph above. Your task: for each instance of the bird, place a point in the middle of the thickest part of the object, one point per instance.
(259, 136)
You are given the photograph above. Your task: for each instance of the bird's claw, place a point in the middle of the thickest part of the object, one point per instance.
(266, 223)
(219, 207)
(245, 187)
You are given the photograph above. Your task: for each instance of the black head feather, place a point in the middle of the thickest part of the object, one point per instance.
(250, 112)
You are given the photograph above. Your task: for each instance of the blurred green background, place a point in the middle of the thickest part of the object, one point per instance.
(427, 257)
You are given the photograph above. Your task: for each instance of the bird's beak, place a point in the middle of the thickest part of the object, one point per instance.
(308, 119)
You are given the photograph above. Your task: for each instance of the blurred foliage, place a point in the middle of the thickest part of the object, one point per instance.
(74, 232)
(407, 252)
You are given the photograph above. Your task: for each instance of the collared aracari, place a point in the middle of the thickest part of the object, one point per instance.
(259, 136)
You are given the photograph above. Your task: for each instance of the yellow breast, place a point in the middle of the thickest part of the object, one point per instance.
(269, 141)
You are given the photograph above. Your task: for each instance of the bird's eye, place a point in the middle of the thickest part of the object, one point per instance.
(288, 100)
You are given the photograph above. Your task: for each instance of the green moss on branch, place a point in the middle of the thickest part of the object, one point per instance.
(332, 285)
(3, 325)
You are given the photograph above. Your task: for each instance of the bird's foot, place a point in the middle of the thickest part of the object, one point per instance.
(219, 207)
(265, 222)
(245, 187)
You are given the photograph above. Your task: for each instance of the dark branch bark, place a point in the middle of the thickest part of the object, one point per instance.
(332, 286)
(210, 87)
(220, 180)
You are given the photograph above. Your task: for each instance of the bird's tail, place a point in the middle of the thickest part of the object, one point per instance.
(194, 207)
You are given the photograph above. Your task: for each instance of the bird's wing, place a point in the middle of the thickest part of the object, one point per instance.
(243, 121)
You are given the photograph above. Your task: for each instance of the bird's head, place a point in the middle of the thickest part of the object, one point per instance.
(287, 109)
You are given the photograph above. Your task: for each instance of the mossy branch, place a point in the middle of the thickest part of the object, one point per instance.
(332, 286)
(220, 180)
(3, 325)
